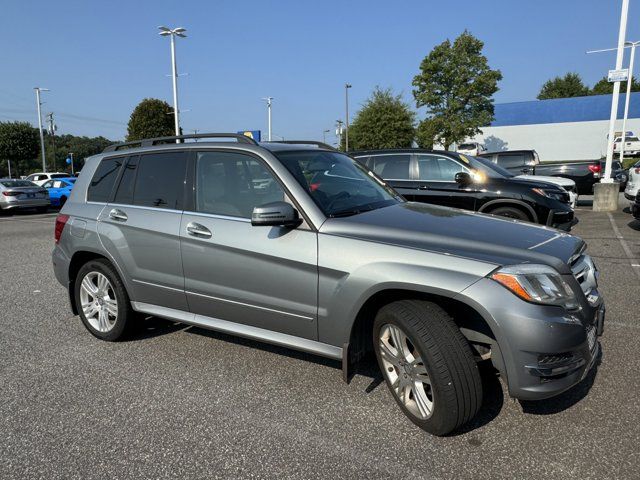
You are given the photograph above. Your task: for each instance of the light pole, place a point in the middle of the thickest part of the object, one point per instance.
(71, 158)
(268, 100)
(347, 86)
(176, 32)
(616, 93)
(39, 103)
(633, 46)
(339, 131)
(324, 135)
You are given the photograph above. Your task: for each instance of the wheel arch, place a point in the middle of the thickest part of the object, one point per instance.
(479, 332)
(519, 204)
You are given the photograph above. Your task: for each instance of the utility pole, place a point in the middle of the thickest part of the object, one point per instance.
(347, 86)
(39, 104)
(268, 100)
(176, 32)
(52, 131)
(72, 168)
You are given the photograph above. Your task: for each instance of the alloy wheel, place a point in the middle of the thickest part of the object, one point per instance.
(98, 301)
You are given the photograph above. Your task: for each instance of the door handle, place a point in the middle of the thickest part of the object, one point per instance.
(198, 230)
(423, 187)
(118, 214)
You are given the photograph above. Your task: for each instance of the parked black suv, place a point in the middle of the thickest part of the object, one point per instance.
(471, 183)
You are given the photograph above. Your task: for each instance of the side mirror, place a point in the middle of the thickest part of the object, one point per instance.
(275, 214)
(463, 178)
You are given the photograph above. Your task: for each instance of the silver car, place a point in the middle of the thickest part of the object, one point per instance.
(301, 246)
(20, 194)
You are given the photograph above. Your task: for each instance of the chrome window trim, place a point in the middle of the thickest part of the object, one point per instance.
(218, 216)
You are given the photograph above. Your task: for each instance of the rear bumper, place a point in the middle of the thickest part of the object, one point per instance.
(30, 203)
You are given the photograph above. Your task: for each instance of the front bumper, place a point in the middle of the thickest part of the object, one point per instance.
(541, 351)
(562, 220)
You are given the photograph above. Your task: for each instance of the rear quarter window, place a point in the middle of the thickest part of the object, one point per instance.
(104, 179)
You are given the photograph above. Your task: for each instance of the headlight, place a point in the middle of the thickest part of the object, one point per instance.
(555, 194)
(538, 284)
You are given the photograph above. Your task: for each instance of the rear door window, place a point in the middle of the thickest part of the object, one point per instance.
(160, 180)
(124, 195)
(391, 167)
(104, 179)
(434, 168)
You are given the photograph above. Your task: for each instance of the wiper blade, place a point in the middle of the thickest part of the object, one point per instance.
(345, 213)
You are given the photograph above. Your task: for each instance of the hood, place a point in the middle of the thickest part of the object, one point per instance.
(462, 233)
(543, 178)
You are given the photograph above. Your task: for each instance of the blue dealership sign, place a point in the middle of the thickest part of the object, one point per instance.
(255, 134)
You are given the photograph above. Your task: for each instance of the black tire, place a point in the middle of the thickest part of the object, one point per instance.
(456, 386)
(511, 212)
(42, 209)
(126, 315)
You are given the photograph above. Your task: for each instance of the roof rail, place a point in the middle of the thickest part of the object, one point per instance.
(149, 142)
(305, 142)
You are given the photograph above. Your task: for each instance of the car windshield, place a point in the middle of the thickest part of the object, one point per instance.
(486, 167)
(17, 183)
(467, 146)
(339, 185)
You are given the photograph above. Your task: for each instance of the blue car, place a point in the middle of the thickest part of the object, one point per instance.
(59, 190)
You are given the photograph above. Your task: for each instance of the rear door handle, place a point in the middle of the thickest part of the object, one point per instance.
(198, 230)
(117, 214)
(423, 187)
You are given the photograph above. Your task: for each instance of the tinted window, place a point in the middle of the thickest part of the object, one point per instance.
(439, 169)
(160, 180)
(58, 175)
(103, 180)
(616, 166)
(339, 185)
(233, 184)
(124, 194)
(48, 184)
(511, 160)
(59, 184)
(391, 167)
(467, 146)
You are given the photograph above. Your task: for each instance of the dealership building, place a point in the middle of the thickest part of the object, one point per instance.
(558, 129)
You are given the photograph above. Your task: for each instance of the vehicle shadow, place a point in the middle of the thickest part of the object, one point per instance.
(565, 400)
(634, 225)
(150, 327)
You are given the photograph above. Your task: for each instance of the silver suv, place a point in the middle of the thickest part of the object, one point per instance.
(301, 246)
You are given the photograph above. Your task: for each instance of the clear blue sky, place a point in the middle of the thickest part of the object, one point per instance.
(101, 58)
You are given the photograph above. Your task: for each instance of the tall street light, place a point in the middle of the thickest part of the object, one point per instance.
(268, 100)
(39, 104)
(324, 135)
(633, 46)
(175, 32)
(347, 86)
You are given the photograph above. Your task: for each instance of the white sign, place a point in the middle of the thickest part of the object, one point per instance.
(618, 75)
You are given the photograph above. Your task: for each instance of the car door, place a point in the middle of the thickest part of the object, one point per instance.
(515, 162)
(397, 169)
(436, 174)
(140, 225)
(266, 277)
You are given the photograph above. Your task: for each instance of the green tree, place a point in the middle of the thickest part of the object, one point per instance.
(571, 85)
(603, 87)
(19, 143)
(384, 121)
(81, 147)
(456, 86)
(151, 118)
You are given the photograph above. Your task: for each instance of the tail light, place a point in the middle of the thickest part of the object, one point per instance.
(10, 194)
(637, 170)
(596, 168)
(61, 221)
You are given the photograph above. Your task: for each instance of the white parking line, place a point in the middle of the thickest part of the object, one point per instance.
(625, 247)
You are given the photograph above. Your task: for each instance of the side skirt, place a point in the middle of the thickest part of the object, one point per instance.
(247, 331)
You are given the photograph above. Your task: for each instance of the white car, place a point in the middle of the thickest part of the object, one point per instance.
(633, 184)
(631, 145)
(40, 178)
(472, 148)
(566, 183)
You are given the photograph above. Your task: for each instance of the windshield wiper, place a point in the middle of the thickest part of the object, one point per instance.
(352, 211)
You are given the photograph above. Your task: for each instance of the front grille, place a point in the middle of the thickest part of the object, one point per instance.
(547, 360)
(591, 337)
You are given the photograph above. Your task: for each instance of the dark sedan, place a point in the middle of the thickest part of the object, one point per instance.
(471, 183)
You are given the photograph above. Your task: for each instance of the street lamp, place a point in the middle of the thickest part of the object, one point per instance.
(347, 86)
(339, 131)
(324, 135)
(39, 103)
(633, 46)
(175, 32)
(268, 100)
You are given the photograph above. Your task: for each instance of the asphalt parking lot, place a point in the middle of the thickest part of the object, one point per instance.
(178, 401)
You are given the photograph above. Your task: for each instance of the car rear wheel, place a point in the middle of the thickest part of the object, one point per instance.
(510, 212)
(102, 301)
(63, 200)
(427, 365)
(42, 209)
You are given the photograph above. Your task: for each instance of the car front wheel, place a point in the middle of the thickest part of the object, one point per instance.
(427, 365)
